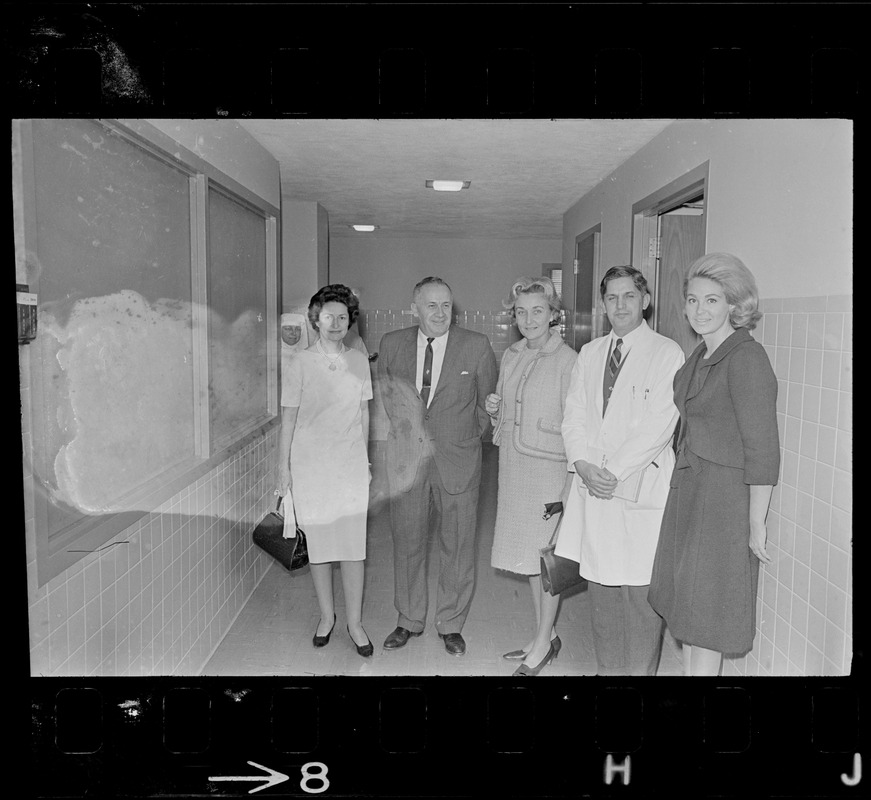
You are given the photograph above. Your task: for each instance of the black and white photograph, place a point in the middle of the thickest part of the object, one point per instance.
(436, 396)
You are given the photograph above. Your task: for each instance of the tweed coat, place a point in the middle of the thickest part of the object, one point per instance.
(537, 429)
(614, 540)
(705, 575)
(450, 430)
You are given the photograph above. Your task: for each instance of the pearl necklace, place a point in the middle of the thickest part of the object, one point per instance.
(330, 361)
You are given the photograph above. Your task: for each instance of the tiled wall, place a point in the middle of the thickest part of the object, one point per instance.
(159, 604)
(804, 608)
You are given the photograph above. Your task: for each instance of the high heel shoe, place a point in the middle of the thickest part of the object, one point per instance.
(365, 650)
(322, 641)
(519, 655)
(532, 671)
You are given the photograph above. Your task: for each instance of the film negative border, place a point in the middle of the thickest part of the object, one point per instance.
(447, 738)
(512, 60)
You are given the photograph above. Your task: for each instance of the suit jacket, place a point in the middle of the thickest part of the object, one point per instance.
(732, 418)
(451, 429)
(615, 540)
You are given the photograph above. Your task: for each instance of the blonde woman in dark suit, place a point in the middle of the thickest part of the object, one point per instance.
(713, 529)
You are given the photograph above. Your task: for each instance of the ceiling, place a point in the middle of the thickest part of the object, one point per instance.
(524, 173)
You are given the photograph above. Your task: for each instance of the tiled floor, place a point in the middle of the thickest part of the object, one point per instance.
(272, 634)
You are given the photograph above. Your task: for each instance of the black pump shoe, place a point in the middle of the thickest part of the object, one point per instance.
(365, 650)
(322, 641)
(519, 655)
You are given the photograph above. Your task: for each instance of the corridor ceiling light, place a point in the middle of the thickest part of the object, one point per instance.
(448, 186)
(366, 228)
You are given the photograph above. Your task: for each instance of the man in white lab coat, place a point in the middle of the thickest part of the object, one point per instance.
(618, 423)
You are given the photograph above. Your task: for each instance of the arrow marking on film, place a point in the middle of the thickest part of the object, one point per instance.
(272, 779)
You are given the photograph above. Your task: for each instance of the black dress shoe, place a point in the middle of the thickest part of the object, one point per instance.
(399, 638)
(454, 643)
(321, 641)
(365, 650)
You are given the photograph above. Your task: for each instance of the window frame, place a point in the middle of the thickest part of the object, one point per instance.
(56, 553)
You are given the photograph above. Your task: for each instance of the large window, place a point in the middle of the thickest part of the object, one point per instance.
(157, 324)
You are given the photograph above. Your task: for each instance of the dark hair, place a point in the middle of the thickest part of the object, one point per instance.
(624, 272)
(334, 293)
(426, 281)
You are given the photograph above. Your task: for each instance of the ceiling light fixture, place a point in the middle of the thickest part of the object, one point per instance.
(366, 228)
(448, 186)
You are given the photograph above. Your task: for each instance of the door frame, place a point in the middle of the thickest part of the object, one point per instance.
(596, 232)
(645, 222)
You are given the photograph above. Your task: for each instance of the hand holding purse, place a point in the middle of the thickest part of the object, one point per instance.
(291, 553)
(557, 573)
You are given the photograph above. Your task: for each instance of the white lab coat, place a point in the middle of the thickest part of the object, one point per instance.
(615, 540)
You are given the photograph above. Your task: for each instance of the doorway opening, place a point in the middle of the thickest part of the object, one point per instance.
(668, 234)
(587, 318)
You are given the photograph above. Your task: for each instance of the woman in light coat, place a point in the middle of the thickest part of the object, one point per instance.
(526, 411)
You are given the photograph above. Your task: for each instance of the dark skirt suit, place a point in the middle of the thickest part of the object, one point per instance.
(704, 573)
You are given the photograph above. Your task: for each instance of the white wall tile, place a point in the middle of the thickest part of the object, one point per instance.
(831, 374)
(826, 445)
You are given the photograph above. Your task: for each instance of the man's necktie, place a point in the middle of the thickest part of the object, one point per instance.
(427, 371)
(610, 375)
(614, 362)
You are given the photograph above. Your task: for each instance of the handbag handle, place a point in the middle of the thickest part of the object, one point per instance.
(548, 514)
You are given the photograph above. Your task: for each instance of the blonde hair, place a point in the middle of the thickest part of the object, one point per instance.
(535, 285)
(737, 282)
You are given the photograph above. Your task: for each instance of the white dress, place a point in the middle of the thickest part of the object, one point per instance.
(329, 465)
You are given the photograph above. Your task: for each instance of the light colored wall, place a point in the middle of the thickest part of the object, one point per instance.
(228, 146)
(299, 252)
(780, 198)
(479, 271)
(158, 598)
(804, 610)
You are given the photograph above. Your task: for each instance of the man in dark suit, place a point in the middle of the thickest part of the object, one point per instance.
(431, 384)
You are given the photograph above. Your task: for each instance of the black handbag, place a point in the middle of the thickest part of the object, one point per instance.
(557, 573)
(269, 536)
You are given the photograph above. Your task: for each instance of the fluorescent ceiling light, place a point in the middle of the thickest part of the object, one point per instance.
(364, 227)
(448, 186)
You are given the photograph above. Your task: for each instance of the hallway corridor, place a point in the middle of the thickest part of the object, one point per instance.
(272, 634)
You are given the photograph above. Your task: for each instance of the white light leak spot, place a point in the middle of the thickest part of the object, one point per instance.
(95, 242)
(80, 199)
(260, 317)
(68, 146)
(130, 709)
(167, 229)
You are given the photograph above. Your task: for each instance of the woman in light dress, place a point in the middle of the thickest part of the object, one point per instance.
(322, 457)
(527, 411)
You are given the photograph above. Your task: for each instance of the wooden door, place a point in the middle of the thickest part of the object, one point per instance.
(682, 241)
(586, 261)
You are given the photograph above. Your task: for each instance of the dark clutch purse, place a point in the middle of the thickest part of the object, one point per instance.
(557, 573)
(269, 536)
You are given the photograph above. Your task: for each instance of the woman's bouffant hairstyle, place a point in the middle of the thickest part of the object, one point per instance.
(738, 283)
(534, 285)
(334, 293)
